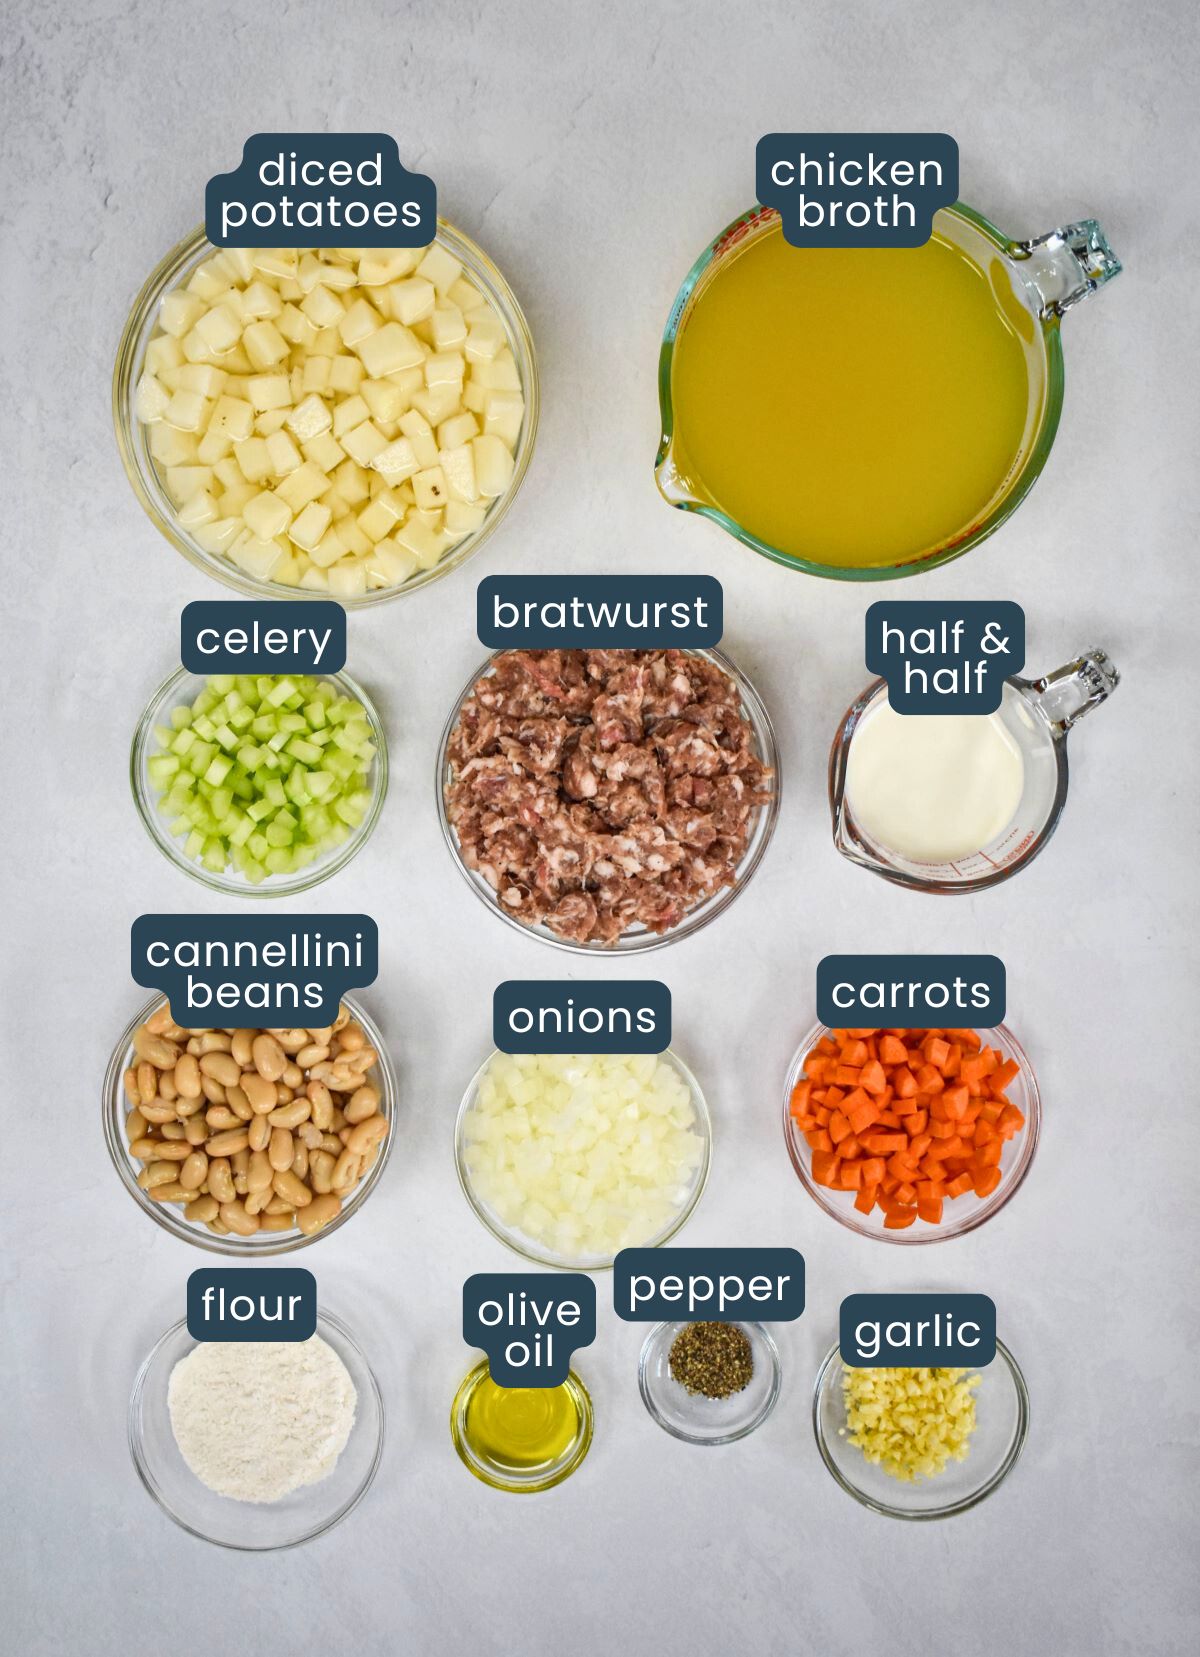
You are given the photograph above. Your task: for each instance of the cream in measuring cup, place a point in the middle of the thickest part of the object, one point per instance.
(933, 787)
(958, 802)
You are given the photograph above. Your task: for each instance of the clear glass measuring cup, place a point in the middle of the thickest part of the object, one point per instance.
(1048, 276)
(1038, 713)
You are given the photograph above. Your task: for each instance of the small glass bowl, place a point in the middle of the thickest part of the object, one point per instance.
(115, 1107)
(959, 1216)
(182, 687)
(503, 1475)
(1001, 1426)
(140, 468)
(252, 1527)
(700, 1420)
(541, 1256)
(637, 938)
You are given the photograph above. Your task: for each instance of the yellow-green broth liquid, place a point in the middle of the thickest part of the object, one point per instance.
(854, 407)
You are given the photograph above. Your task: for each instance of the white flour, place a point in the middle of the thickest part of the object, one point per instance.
(255, 1420)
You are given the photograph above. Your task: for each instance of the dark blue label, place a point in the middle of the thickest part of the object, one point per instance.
(709, 1285)
(925, 1331)
(529, 1323)
(282, 636)
(856, 189)
(251, 1303)
(599, 612)
(320, 189)
(274, 971)
(945, 658)
(911, 992)
(533, 1015)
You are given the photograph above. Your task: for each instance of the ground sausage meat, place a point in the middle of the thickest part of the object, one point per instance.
(598, 790)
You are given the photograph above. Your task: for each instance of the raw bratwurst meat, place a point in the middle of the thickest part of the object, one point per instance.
(596, 790)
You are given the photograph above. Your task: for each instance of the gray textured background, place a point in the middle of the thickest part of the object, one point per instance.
(593, 151)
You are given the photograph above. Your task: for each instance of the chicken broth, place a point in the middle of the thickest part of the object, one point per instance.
(859, 408)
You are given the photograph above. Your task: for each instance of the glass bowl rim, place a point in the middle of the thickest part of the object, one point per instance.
(771, 1348)
(129, 361)
(847, 1215)
(303, 880)
(639, 943)
(530, 1252)
(571, 1460)
(141, 1467)
(1031, 470)
(113, 1113)
(1011, 1456)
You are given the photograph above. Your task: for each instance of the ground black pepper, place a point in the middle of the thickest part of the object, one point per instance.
(714, 1359)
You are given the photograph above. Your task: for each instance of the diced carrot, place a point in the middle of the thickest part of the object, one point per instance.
(986, 1181)
(898, 1218)
(906, 1119)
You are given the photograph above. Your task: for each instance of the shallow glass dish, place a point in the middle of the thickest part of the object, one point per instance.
(252, 1527)
(637, 938)
(521, 1480)
(960, 1215)
(114, 1108)
(183, 686)
(1001, 1425)
(700, 1420)
(142, 473)
(537, 1252)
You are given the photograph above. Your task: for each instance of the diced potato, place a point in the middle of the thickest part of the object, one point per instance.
(264, 345)
(440, 268)
(285, 456)
(331, 418)
(493, 465)
(306, 483)
(364, 442)
(309, 526)
(503, 415)
(233, 418)
(388, 349)
(187, 411)
(312, 416)
(412, 301)
(267, 515)
(458, 467)
(430, 489)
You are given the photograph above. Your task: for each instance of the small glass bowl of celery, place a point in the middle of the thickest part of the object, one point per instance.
(259, 785)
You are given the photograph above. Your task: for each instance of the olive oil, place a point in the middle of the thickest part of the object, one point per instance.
(854, 407)
(521, 1428)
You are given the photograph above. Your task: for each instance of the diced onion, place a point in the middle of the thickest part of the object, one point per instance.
(583, 1154)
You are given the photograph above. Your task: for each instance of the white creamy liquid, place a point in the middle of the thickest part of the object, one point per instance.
(933, 787)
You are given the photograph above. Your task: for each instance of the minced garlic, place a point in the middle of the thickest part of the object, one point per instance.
(910, 1422)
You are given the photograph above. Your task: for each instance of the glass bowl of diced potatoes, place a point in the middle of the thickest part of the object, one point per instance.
(347, 423)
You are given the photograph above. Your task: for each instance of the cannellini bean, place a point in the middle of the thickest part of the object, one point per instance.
(291, 1189)
(202, 1210)
(318, 1214)
(366, 1134)
(291, 1116)
(236, 1218)
(259, 1133)
(228, 1144)
(258, 1175)
(220, 1180)
(222, 1067)
(241, 1046)
(363, 1102)
(194, 1171)
(261, 1093)
(268, 1055)
(281, 1150)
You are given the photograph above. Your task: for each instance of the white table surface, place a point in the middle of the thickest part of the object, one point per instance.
(593, 152)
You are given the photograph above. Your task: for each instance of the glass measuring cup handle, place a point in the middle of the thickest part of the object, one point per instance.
(1065, 695)
(1068, 264)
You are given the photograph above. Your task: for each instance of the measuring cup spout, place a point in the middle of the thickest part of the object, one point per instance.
(1065, 695)
(672, 485)
(1067, 265)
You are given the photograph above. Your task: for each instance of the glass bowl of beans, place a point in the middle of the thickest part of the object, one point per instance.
(256, 800)
(249, 1142)
(667, 841)
(196, 480)
(244, 1525)
(1001, 1424)
(934, 1161)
